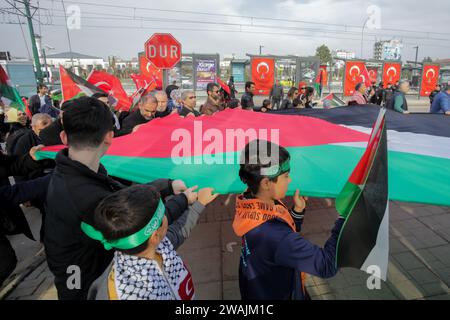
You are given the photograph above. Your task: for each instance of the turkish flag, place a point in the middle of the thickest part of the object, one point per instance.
(323, 69)
(355, 72)
(149, 71)
(373, 74)
(391, 73)
(366, 77)
(263, 71)
(430, 77)
(111, 85)
(140, 80)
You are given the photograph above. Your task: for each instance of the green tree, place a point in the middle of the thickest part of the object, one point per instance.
(324, 54)
(427, 59)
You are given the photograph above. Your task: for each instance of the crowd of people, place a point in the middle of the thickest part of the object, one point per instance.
(123, 236)
(393, 97)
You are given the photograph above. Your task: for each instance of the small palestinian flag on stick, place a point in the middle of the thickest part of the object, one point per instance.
(8, 93)
(364, 239)
(73, 86)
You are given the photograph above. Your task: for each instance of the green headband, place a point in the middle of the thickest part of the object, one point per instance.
(131, 241)
(276, 170)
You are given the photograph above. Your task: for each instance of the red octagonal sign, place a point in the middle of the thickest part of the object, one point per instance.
(163, 50)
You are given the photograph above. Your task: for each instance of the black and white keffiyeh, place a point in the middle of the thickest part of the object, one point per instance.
(139, 278)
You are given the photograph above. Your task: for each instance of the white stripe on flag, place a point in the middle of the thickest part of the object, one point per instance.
(418, 143)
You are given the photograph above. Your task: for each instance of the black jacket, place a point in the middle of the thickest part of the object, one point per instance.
(73, 194)
(34, 103)
(50, 135)
(12, 219)
(247, 101)
(185, 111)
(133, 119)
(25, 142)
(15, 133)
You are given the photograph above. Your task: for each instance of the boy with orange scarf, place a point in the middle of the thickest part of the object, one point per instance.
(274, 255)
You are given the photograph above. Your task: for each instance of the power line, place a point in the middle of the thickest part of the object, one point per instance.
(121, 17)
(232, 31)
(244, 16)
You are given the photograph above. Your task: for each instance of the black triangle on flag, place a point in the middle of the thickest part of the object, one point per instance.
(364, 238)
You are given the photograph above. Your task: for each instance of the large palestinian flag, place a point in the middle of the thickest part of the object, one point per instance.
(205, 151)
(418, 148)
(364, 238)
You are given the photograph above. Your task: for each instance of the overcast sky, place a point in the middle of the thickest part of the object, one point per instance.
(107, 30)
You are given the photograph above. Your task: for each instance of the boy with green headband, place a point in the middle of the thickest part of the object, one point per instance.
(274, 256)
(145, 265)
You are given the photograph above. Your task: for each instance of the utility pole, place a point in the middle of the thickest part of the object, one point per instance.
(33, 41)
(417, 54)
(362, 36)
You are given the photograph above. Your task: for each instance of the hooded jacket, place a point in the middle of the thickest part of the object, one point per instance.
(274, 255)
(73, 194)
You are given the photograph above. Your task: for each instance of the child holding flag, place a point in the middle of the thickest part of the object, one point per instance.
(145, 265)
(274, 255)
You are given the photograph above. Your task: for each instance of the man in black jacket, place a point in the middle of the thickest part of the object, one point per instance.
(247, 98)
(30, 139)
(146, 111)
(40, 100)
(12, 219)
(78, 183)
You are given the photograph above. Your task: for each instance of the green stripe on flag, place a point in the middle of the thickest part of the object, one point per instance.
(318, 171)
(12, 96)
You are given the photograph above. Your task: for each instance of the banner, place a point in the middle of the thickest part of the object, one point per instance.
(354, 74)
(149, 71)
(206, 73)
(392, 72)
(373, 74)
(263, 74)
(430, 78)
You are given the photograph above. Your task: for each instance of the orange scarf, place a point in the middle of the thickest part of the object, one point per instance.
(251, 213)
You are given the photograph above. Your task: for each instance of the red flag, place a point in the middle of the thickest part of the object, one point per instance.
(366, 77)
(263, 72)
(112, 85)
(355, 72)
(149, 71)
(223, 85)
(73, 86)
(373, 74)
(140, 80)
(27, 109)
(391, 73)
(137, 95)
(430, 77)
